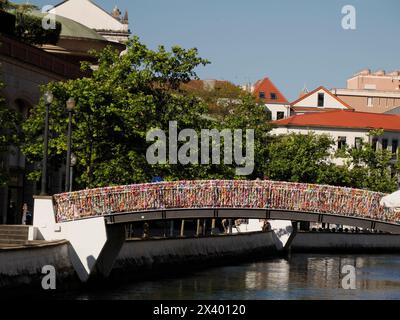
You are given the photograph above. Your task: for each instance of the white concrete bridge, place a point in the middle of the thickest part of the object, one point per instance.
(93, 220)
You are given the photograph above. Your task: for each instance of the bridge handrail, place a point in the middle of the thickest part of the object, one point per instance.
(263, 194)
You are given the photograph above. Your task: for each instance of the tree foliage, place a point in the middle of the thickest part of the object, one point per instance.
(20, 23)
(28, 29)
(10, 134)
(372, 169)
(309, 158)
(126, 96)
(298, 157)
(248, 114)
(221, 97)
(129, 94)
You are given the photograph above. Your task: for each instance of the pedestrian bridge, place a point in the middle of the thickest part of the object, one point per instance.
(229, 199)
(93, 220)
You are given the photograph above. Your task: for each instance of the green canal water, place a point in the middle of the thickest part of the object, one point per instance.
(300, 276)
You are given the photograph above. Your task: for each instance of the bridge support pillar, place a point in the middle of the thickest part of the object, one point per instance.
(111, 249)
(283, 231)
(94, 246)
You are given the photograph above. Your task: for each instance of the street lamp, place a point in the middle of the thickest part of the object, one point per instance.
(48, 99)
(70, 107)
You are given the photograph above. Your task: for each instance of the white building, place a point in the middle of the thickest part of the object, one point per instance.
(347, 128)
(274, 101)
(112, 26)
(318, 100)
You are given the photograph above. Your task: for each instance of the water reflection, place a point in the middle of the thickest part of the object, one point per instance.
(298, 277)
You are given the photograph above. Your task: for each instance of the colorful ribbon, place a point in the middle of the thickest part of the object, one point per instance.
(263, 194)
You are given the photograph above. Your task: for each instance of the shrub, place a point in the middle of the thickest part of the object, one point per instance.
(29, 29)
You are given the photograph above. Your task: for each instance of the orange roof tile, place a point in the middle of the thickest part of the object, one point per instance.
(343, 119)
(265, 85)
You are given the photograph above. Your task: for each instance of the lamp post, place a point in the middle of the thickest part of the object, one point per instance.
(48, 99)
(74, 161)
(70, 107)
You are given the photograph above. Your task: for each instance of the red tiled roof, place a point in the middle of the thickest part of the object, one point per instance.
(343, 119)
(265, 85)
(326, 91)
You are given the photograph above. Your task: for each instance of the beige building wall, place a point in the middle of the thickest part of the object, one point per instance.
(368, 103)
(379, 80)
(375, 101)
(376, 92)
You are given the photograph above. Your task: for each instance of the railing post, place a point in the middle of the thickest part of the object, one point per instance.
(212, 226)
(182, 228)
(198, 228)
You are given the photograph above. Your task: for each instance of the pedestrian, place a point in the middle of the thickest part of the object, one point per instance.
(26, 215)
(24, 211)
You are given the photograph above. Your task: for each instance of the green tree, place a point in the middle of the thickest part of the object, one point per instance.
(300, 158)
(372, 169)
(10, 134)
(308, 158)
(126, 96)
(221, 97)
(248, 114)
(22, 24)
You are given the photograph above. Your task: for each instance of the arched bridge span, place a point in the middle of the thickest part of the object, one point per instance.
(229, 199)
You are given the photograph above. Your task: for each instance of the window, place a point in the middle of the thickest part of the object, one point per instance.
(321, 98)
(375, 144)
(273, 96)
(358, 142)
(395, 146)
(370, 102)
(341, 142)
(262, 95)
(280, 115)
(384, 144)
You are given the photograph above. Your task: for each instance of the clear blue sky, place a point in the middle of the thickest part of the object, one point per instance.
(293, 42)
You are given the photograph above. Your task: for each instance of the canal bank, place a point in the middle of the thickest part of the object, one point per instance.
(155, 256)
(21, 265)
(345, 242)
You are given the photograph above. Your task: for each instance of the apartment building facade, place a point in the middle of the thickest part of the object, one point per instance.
(374, 92)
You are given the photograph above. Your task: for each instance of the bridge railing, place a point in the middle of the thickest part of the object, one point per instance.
(223, 194)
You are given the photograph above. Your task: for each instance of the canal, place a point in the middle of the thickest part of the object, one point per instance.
(299, 276)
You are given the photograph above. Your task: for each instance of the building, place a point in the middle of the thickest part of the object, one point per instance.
(379, 80)
(376, 92)
(76, 40)
(318, 100)
(275, 102)
(112, 26)
(346, 127)
(24, 68)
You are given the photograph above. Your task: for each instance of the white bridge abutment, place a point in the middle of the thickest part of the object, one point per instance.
(94, 246)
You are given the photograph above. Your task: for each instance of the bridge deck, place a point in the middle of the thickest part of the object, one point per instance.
(230, 213)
